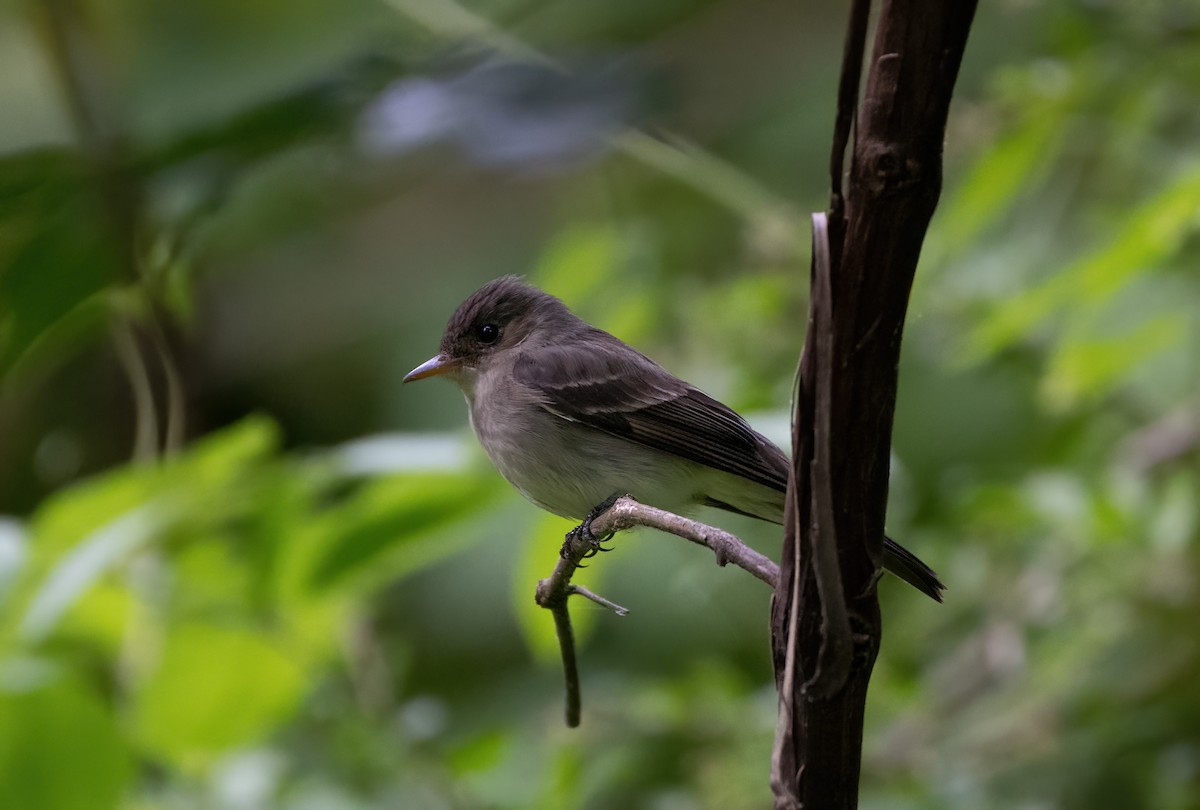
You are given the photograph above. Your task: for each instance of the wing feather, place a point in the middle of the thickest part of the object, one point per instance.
(614, 388)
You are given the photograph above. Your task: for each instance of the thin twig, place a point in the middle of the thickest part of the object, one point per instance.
(552, 593)
(598, 599)
(133, 363)
(176, 410)
(566, 643)
(625, 513)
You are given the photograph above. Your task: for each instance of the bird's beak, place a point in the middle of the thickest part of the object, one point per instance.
(432, 367)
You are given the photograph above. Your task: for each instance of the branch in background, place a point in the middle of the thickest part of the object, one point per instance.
(1167, 439)
(626, 513)
(90, 97)
(133, 363)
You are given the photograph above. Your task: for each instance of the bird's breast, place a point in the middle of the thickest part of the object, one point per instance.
(568, 468)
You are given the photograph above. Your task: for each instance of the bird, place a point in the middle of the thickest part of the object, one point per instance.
(571, 415)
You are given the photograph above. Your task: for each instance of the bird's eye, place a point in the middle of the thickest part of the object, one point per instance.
(488, 333)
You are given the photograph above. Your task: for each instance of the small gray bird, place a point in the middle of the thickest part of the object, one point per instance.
(571, 415)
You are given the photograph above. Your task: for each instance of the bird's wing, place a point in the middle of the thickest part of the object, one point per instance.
(611, 387)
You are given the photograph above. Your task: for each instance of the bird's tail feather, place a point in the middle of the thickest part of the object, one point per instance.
(896, 558)
(904, 564)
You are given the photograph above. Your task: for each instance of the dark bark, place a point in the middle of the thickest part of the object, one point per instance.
(825, 621)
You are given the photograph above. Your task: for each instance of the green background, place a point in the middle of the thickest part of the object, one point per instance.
(321, 597)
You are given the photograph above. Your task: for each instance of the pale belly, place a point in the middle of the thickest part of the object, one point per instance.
(568, 469)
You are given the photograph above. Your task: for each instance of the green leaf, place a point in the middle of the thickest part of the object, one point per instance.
(213, 464)
(86, 563)
(82, 534)
(483, 753)
(1082, 368)
(196, 476)
(1151, 236)
(1010, 168)
(82, 325)
(60, 750)
(55, 249)
(379, 530)
(68, 517)
(215, 688)
(13, 553)
(73, 539)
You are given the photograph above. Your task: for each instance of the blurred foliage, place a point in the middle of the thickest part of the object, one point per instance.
(228, 229)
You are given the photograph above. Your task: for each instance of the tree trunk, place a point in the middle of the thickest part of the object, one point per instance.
(825, 620)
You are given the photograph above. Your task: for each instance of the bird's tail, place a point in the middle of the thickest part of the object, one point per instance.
(896, 558)
(904, 564)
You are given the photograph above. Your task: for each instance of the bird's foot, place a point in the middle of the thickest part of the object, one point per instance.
(584, 531)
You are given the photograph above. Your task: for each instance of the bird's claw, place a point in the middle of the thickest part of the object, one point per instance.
(584, 532)
(596, 548)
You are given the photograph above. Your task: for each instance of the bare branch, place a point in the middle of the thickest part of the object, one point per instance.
(626, 513)
(598, 599)
(137, 372)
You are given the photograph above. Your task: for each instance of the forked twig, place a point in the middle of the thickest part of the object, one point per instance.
(625, 513)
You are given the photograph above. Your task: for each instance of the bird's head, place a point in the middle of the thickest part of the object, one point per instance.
(497, 317)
